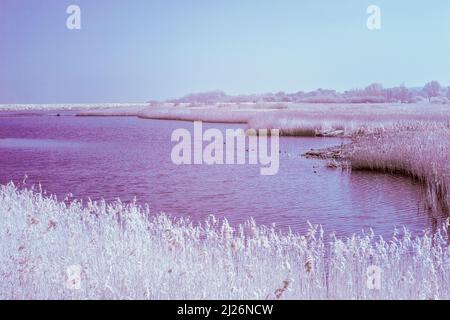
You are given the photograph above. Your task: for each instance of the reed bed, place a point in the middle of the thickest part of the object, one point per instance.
(292, 119)
(417, 149)
(124, 252)
(346, 120)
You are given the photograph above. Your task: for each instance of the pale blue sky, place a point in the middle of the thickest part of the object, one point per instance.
(137, 50)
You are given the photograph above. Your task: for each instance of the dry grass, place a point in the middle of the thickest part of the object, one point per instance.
(125, 253)
(420, 150)
(292, 119)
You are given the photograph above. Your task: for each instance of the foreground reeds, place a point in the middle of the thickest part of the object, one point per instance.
(123, 252)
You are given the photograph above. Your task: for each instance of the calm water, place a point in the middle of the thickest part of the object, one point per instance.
(128, 157)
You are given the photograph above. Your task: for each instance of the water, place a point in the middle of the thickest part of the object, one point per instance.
(129, 157)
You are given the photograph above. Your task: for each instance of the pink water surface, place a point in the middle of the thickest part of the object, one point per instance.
(112, 157)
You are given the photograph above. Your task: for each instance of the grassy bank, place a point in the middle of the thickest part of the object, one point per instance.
(123, 252)
(419, 150)
(292, 119)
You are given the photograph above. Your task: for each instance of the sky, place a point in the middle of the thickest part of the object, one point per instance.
(140, 50)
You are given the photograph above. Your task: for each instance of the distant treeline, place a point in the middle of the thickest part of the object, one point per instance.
(375, 93)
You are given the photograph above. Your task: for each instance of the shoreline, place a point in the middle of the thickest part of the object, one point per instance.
(383, 154)
(191, 261)
(365, 127)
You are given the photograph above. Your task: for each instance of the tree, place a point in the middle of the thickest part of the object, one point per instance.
(405, 96)
(374, 90)
(431, 89)
(401, 94)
